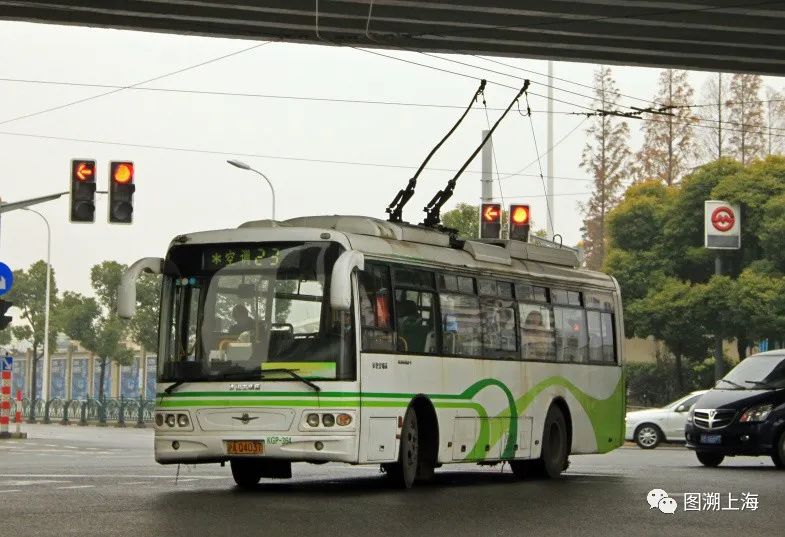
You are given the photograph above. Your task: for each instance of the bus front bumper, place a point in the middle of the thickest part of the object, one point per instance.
(199, 448)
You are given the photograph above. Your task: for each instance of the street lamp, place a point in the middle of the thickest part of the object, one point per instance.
(244, 166)
(45, 371)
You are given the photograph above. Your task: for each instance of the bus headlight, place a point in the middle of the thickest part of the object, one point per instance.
(343, 420)
(328, 420)
(159, 420)
(170, 420)
(182, 420)
(312, 420)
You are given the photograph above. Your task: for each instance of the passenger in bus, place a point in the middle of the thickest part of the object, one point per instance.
(533, 320)
(242, 320)
(412, 329)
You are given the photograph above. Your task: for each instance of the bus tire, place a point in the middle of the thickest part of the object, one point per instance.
(246, 472)
(404, 472)
(555, 451)
(710, 460)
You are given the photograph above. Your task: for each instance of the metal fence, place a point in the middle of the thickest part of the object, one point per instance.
(120, 412)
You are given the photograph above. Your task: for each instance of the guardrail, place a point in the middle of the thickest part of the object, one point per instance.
(121, 412)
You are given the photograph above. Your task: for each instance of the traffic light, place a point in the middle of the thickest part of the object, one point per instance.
(121, 192)
(82, 191)
(490, 221)
(5, 320)
(519, 222)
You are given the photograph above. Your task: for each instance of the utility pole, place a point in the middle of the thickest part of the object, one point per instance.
(549, 217)
(719, 363)
(486, 180)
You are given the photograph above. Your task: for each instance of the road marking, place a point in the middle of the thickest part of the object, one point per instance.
(13, 490)
(23, 483)
(76, 487)
(135, 483)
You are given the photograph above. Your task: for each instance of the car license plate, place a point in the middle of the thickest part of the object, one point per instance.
(244, 447)
(711, 439)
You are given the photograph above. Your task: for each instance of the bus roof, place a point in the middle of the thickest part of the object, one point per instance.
(423, 246)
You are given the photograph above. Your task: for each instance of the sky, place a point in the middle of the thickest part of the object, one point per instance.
(323, 157)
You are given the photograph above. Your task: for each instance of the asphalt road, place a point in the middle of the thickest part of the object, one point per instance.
(103, 481)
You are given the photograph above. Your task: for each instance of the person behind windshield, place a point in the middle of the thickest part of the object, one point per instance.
(242, 320)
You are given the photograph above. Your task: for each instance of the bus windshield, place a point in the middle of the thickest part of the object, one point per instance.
(231, 311)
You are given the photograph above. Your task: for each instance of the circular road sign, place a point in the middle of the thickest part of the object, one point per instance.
(6, 278)
(723, 219)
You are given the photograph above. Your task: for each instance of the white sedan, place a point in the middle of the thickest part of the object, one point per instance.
(651, 426)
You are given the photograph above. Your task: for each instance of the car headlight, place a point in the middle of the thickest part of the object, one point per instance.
(690, 414)
(756, 413)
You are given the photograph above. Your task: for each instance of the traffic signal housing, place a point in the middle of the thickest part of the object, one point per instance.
(520, 217)
(490, 221)
(82, 191)
(5, 320)
(121, 192)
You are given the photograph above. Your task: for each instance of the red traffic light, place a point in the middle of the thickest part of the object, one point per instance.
(519, 214)
(491, 212)
(122, 172)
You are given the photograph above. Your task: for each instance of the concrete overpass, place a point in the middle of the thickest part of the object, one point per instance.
(717, 35)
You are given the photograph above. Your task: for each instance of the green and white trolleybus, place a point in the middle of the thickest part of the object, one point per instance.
(356, 340)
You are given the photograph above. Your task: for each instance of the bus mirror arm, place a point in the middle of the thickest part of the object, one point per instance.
(126, 292)
(341, 279)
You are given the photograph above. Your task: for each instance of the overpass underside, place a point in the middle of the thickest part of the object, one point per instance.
(717, 35)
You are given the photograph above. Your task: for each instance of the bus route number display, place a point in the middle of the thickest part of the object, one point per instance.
(220, 257)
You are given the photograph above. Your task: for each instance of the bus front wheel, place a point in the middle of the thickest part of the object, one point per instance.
(404, 472)
(246, 472)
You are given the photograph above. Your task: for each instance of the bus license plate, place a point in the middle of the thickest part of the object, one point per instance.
(711, 439)
(244, 447)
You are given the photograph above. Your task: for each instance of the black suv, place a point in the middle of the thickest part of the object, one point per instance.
(744, 414)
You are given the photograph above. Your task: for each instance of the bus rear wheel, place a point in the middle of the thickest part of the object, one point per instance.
(555, 451)
(246, 472)
(404, 472)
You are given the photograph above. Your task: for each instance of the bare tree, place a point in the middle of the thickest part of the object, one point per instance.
(746, 119)
(669, 142)
(712, 136)
(605, 157)
(775, 121)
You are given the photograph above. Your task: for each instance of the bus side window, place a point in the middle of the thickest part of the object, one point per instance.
(538, 338)
(595, 336)
(571, 337)
(608, 349)
(375, 309)
(415, 321)
(461, 327)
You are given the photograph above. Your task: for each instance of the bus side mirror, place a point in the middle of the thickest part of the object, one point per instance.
(126, 293)
(341, 279)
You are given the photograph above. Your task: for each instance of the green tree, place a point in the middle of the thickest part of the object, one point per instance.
(94, 321)
(29, 297)
(668, 314)
(144, 326)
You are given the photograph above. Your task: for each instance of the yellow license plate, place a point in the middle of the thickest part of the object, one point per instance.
(244, 447)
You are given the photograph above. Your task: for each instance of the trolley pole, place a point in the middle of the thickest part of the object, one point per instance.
(486, 193)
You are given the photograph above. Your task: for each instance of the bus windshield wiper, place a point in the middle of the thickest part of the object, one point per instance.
(739, 386)
(293, 373)
(244, 375)
(173, 387)
(762, 384)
